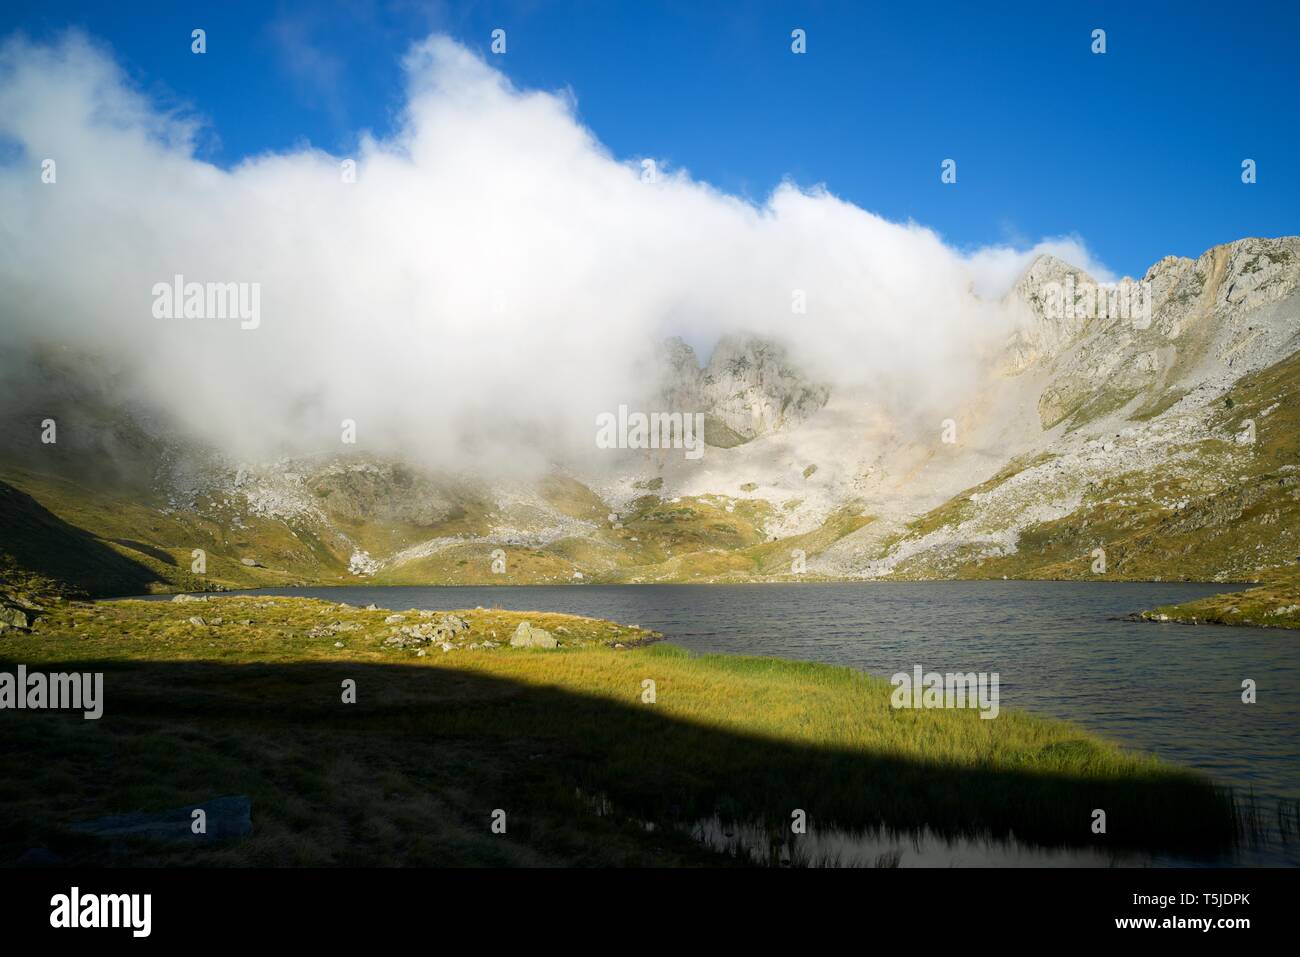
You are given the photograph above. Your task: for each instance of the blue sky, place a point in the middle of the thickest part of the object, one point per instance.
(1137, 151)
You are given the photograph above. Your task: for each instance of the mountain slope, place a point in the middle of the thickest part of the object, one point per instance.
(1167, 440)
(1159, 469)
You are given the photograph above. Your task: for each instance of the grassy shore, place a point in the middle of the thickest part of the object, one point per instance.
(563, 740)
(1269, 606)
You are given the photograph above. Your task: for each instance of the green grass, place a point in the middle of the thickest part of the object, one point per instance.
(1270, 606)
(88, 539)
(412, 772)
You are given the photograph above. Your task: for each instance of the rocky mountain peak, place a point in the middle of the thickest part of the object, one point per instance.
(1044, 328)
(750, 387)
(1046, 268)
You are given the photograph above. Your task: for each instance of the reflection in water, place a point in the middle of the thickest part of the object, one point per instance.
(831, 847)
(882, 847)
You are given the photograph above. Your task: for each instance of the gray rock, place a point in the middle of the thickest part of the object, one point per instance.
(441, 632)
(334, 628)
(424, 632)
(39, 857)
(227, 817)
(251, 563)
(750, 386)
(526, 636)
(16, 614)
(449, 627)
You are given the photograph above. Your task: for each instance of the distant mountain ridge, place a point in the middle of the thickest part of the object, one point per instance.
(1171, 446)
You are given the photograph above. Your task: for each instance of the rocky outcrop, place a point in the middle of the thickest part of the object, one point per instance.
(332, 629)
(16, 615)
(1185, 324)
(1173, 437)
(441, 630)
(1043, 329)
(749, 388)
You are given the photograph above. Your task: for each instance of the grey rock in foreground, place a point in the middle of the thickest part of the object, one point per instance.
(439, 632)
(227, 817)
(16, 613)
(39, 857)
(526, 636)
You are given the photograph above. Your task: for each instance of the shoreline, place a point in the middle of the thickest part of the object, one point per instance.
(1219, 609)
(164, 594)
(741, 736)
(1265, 606)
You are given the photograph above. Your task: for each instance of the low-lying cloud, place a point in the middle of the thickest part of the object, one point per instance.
(493, 279)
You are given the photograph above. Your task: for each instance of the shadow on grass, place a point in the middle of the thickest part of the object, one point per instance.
(332, 781)
(157, 554)
(38, 541)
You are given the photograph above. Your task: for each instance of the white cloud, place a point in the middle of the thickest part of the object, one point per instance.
(494, 271)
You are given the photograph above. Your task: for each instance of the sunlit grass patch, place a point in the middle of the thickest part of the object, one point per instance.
(435, 743)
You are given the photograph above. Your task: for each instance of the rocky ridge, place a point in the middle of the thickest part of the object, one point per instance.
(1085, 428)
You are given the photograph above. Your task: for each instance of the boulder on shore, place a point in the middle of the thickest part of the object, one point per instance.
(526, 636)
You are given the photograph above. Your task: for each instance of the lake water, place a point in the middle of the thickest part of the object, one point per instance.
(1170, 689)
